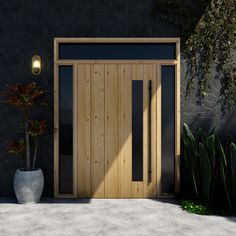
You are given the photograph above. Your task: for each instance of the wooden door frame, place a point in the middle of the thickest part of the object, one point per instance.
(58, 62)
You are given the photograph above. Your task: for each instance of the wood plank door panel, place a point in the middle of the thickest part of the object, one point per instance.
(83, 163)
(97, 131)
(150, 74)
(125, 131)
(105, 130)
(111, 131)
(138, 186)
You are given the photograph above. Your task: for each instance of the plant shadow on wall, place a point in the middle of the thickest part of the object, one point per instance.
(211, 171)
(208, 30)
(28, 181)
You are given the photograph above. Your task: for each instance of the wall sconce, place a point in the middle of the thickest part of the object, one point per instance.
(36, 65)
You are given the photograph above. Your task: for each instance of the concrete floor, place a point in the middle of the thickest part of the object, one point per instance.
(108, 217)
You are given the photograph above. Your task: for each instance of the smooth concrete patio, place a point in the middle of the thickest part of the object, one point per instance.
(108, 217)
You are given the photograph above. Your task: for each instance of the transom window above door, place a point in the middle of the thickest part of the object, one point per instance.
(117, 51)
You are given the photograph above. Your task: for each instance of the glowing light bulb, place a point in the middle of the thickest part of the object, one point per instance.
(36, 65)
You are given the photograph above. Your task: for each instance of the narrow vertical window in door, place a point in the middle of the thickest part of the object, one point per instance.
(137, 130)
(167, 129)
(65, 129)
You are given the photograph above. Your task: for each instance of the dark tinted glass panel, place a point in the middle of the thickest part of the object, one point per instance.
(65, 129)
(117, 51)
(167, 128)
(137, 130)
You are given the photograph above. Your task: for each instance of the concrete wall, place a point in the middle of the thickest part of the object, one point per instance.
(28, 27)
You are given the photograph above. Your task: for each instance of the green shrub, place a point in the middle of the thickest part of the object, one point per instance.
(206, 160)
(193, 207)
(201, 162)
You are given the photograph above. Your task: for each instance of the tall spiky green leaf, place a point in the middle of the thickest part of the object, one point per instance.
(233, 171)
(206, 172)
(204, 140)
(211, 150)
(190, 160)
(198, 136)
(224, 180)
(212, 131)
(189, 138)
(219, 150)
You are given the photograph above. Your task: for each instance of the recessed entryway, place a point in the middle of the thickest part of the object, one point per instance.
(116, 115)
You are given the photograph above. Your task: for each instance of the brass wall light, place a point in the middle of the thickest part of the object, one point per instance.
(36, 65)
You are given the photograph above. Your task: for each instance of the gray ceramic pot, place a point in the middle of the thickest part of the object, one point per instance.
(28, 185)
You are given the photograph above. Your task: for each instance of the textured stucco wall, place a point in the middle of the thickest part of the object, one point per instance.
(28, 27)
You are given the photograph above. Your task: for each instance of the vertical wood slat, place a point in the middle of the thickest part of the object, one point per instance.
(153, 189)
(75, 125)
(125, 131)
(83, 166)
(111, 131)
(158, 129)
(56, 126)
(138, 186)
(97, 131)
(177, 120)
(145, 133)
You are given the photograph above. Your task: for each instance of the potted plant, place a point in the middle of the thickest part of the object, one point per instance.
(28, 181)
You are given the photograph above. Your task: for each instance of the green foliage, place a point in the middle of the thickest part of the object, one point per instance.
(205, 160)
(193, 207)
(228, 176)
(37, 127)
(25, 97)
(200, 159)
(233, 171)
(205, 172)
(208, 29)
(16, 147)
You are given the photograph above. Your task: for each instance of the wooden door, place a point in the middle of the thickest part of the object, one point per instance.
(104, 126)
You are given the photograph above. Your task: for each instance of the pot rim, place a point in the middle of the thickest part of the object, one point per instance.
(23, 170)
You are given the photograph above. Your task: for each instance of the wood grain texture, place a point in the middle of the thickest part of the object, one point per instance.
(56, 128)
(75, 134)
(177, 120)
(58, 40)
(104, 127)
(97, 131)
(100, 61)
(158, 130)
(145, 132)
(125, 131)
(83, 166)
(111, 131)
(111, 155)
(137, 189)
(150, 75)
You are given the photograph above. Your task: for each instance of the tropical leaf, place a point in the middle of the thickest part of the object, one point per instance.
(22, 94)
(37, 127)
(16, 147)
